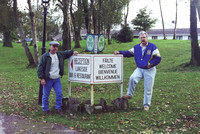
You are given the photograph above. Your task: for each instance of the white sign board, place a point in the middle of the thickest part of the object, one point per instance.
(96, 69)
(80, 68)
(107, 69)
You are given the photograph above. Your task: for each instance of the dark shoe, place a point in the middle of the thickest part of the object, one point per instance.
(60, 112)
(126, 97)
(48, 112)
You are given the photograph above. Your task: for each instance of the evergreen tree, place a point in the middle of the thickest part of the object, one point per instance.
(125, 34)
(142, 21)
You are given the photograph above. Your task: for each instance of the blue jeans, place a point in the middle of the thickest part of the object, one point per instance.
(56, 84)
(149, 77)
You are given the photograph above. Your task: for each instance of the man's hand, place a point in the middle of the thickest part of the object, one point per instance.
(116, 52)
(75, 53)
(43, 82)
(149, 65)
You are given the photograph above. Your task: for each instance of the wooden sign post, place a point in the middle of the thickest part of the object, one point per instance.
(95, 69)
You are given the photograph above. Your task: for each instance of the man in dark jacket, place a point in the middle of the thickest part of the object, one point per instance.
(147, 56)
(50, 69)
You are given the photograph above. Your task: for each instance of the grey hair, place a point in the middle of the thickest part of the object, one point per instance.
(143, 32)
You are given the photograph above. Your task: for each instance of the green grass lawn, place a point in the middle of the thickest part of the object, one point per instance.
(175, 103)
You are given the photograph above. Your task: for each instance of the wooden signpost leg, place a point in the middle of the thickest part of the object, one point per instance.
(92, 94)
(121, 89)
(69, 88)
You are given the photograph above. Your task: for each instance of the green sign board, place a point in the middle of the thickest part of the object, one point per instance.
(95, 42)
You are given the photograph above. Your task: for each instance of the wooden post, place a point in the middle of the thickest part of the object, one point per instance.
(121, 89)
(69, 88)
(92, 94)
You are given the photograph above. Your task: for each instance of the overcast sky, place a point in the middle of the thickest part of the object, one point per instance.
(168, 8)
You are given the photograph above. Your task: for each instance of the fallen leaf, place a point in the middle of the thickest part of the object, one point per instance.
(43, 117)
(188, 124)
(99, 118)
(168, 129)
(183, 129)
(83, 118)
(71, 128)
(178, 120)
(22, 130)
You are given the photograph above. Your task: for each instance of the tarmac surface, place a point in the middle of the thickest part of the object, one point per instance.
(19, 125)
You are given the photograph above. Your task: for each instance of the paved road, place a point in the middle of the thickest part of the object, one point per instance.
(19, 125)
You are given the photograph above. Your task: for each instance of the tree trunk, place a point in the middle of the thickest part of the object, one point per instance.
(77, 39)
(7, 38)
(195, 51)
(33, 33)
(99, 17)
(94, 18)
(162, 21)
(6, 26)
(87, 15)
(37, 20)
(22, 36)
(174, 36)
(75, 25)
(66, 26)
(126, 15)
(108, 33)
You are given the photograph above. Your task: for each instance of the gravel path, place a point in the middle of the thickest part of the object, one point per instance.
(20, 125)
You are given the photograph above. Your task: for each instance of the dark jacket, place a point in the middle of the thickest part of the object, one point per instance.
(45, 63)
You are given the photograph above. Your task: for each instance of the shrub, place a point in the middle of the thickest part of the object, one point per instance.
(125, 34)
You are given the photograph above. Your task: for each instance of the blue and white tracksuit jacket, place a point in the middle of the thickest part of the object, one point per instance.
(144, 57)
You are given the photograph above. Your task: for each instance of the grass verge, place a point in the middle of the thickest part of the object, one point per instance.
(175, 103)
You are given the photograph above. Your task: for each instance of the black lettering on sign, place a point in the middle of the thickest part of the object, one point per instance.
(81, 61)
(108, 60)
(83, 76)
(81, 69)
(107, 71)
(70, 74)
(105, 66)
(108, 77)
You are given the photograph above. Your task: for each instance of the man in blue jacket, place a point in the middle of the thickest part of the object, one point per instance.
(50, 69)
(147, 56)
